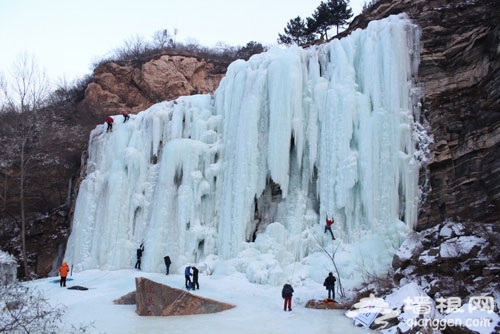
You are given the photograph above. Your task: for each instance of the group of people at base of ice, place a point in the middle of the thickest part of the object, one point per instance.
(287, 291)
(140, 250)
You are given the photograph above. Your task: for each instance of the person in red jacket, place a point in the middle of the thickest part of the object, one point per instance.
(328, 226)
(109, 120)
(63, 271)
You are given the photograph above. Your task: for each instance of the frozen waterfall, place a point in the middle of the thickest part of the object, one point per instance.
(242, 180)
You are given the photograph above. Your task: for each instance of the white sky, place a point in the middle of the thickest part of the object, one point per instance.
(66, 37)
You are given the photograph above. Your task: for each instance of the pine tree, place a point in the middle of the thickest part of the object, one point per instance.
(296, 32)
(328, 14)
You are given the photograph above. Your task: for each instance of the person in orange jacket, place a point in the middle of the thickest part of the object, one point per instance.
(63, 271)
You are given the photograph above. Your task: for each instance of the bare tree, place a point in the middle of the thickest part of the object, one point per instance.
(24, 95)
(176, 31)
(331, 256)
(161, 39)
(25, 310)
(136, 49)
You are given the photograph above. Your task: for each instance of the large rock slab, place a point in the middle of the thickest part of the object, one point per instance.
(326, 305)
(128, 299)
(158, 299)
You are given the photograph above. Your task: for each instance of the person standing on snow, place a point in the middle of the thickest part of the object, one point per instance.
(196, 285)
(109, 120)
(167, 261)
(329, 284)
(63, 271)
(187, 276)
(139, 255)
(287, 293)
(328, 226)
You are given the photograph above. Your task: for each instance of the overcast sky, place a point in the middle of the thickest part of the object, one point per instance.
(66, 37)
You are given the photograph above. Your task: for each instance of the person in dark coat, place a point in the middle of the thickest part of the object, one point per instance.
(187, 276)
(126, 116)
(167, 263)
(139, 255)
(196, 285)
(329, 284)
(287, 293)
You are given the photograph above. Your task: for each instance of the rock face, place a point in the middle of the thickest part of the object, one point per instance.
(118, 85)
(460, 73)
(157, 299)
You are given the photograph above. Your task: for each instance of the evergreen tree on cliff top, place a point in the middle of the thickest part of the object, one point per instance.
(331, 13)
(326, 15)
(296, 32)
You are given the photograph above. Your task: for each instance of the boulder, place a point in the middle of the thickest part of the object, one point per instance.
(158, 299)
(128, 299)
(326, 304)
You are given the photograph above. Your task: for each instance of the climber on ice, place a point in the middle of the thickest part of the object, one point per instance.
(140, 250)
(328, 226)
(109, 120)
(126, 116)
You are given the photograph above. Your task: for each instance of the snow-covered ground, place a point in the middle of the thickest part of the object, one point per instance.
(259, 308)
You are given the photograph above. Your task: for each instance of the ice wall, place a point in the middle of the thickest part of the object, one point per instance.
(243, 180)
(8, 268)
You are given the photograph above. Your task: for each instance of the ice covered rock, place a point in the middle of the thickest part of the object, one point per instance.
(8, 268)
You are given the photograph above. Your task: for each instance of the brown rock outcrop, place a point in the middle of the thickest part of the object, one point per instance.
(322, 305)
(118, 85)
(158, 299)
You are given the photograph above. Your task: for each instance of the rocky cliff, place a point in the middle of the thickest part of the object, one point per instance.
(460, 74)
(136, 86)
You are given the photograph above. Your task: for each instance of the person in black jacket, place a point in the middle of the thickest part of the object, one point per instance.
(287, 293)
(196, 285)
(139, 255)
(167, 263)
(329, 284)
